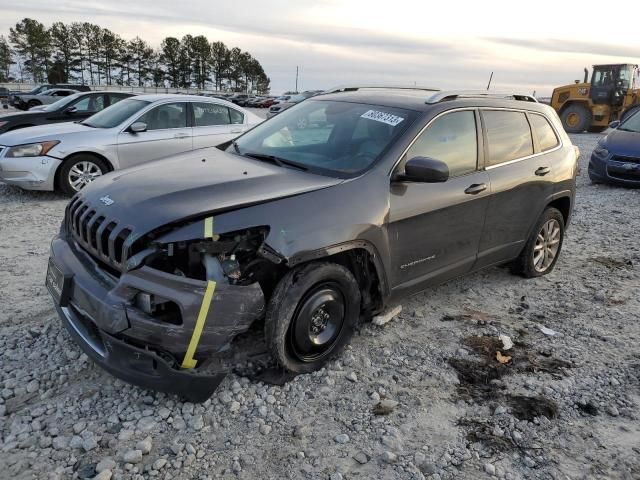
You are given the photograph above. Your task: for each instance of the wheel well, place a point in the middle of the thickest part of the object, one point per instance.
(563, 204)
(93, 154)
(360, 263)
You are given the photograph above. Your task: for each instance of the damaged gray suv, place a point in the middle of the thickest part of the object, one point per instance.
(304, 226)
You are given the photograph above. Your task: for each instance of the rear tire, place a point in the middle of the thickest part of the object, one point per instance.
(541, 252)
(312, 315)
(78, 171)
(576, 118)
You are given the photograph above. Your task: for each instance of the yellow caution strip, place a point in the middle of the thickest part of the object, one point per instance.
(208, 227)
(189, 361)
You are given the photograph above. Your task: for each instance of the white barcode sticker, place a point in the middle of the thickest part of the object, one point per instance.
(383, 117)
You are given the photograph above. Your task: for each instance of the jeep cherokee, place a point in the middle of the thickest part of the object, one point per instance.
(306, 227)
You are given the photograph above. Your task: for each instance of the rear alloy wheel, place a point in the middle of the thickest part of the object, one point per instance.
(576, 118)
(312, 315)
(540, 254)
(79, 171)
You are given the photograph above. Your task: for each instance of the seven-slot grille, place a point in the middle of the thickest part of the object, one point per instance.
(625, 159)
(100, 236)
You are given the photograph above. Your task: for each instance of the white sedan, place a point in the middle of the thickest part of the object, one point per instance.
(68, 156)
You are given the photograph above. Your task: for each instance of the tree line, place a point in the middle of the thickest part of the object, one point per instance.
(90, 54)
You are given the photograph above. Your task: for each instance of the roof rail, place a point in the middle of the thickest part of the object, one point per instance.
(455, 94)
(354, 88)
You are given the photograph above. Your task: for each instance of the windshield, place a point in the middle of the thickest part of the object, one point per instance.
(52, 107)
(631, 124)
(115, 114)
(336, 138)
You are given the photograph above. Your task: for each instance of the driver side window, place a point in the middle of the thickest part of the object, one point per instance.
(452, 139)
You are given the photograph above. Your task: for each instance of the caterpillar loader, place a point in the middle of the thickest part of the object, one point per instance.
(612, 94)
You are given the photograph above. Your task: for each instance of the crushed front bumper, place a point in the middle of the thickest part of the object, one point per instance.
(30, 173)
(99, 311)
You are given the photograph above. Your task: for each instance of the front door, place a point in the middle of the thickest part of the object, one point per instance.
(167, 134)
(214, 124)
(435, 228)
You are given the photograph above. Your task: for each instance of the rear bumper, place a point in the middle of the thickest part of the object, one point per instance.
(30, 173)
(100, 313)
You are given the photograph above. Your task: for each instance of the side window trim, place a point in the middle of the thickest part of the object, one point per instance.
(535, 154)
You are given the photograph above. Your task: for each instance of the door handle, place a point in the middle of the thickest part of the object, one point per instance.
(475, 188)
(181, 135)
(542, 171)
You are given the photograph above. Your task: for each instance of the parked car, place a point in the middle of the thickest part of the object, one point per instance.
(135, 130)
(75, 107)
(239, 99)
(156, 270)
(266, 102)
(13, 98)
(25, 102)
(253, 101)
(293, 100)
(616, 158)
(282, 99)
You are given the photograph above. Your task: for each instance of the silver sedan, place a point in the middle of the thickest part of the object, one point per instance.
(68, 156)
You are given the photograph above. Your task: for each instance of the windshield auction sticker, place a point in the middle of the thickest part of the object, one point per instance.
(383, 117)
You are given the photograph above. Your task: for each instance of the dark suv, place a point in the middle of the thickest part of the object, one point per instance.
(159, 269)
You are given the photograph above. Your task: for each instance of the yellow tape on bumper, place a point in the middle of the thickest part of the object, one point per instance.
(189, 361)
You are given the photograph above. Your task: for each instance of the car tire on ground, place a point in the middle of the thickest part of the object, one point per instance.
(541, 252)
(78, 171)
(312, 315)
(593, 178)
(576, 118)
(33, 103)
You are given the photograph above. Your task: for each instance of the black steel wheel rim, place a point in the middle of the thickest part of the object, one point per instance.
(317, 322)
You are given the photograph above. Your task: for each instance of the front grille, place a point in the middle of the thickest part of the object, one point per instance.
(625, 159)
(631, 176)
(104, 238)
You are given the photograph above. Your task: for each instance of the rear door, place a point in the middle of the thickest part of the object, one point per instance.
(521, 183)
(214, 124)
(435, 228)
(168, 133)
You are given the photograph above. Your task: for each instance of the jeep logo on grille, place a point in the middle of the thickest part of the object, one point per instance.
(107, 200)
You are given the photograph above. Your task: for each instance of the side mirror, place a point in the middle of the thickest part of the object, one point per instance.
(138, 127)
(425, 170)
(614, 124)
(71, 110)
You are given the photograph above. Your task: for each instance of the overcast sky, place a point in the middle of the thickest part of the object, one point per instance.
(529, 46)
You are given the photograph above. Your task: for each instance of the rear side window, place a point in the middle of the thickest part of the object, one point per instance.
(544, 131)
(451, 139)
(508, 136)
(162, 117)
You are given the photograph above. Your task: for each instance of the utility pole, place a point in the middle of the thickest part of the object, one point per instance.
(296, 79)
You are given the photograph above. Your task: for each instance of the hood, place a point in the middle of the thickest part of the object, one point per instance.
(619, 142)
(41, 133)
(191, 185)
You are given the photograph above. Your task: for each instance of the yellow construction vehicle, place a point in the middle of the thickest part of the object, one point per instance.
(612, 94)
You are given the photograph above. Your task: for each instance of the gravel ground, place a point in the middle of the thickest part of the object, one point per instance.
(420, 397)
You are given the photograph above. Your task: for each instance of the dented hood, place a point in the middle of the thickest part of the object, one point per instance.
(191, 185)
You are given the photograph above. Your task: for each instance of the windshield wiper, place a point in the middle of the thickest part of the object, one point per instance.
(281, 162)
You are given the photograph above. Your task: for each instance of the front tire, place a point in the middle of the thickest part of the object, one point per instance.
(576, 118)
(33, 103)
(312, 315)
(541, 252)
(79, 171)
